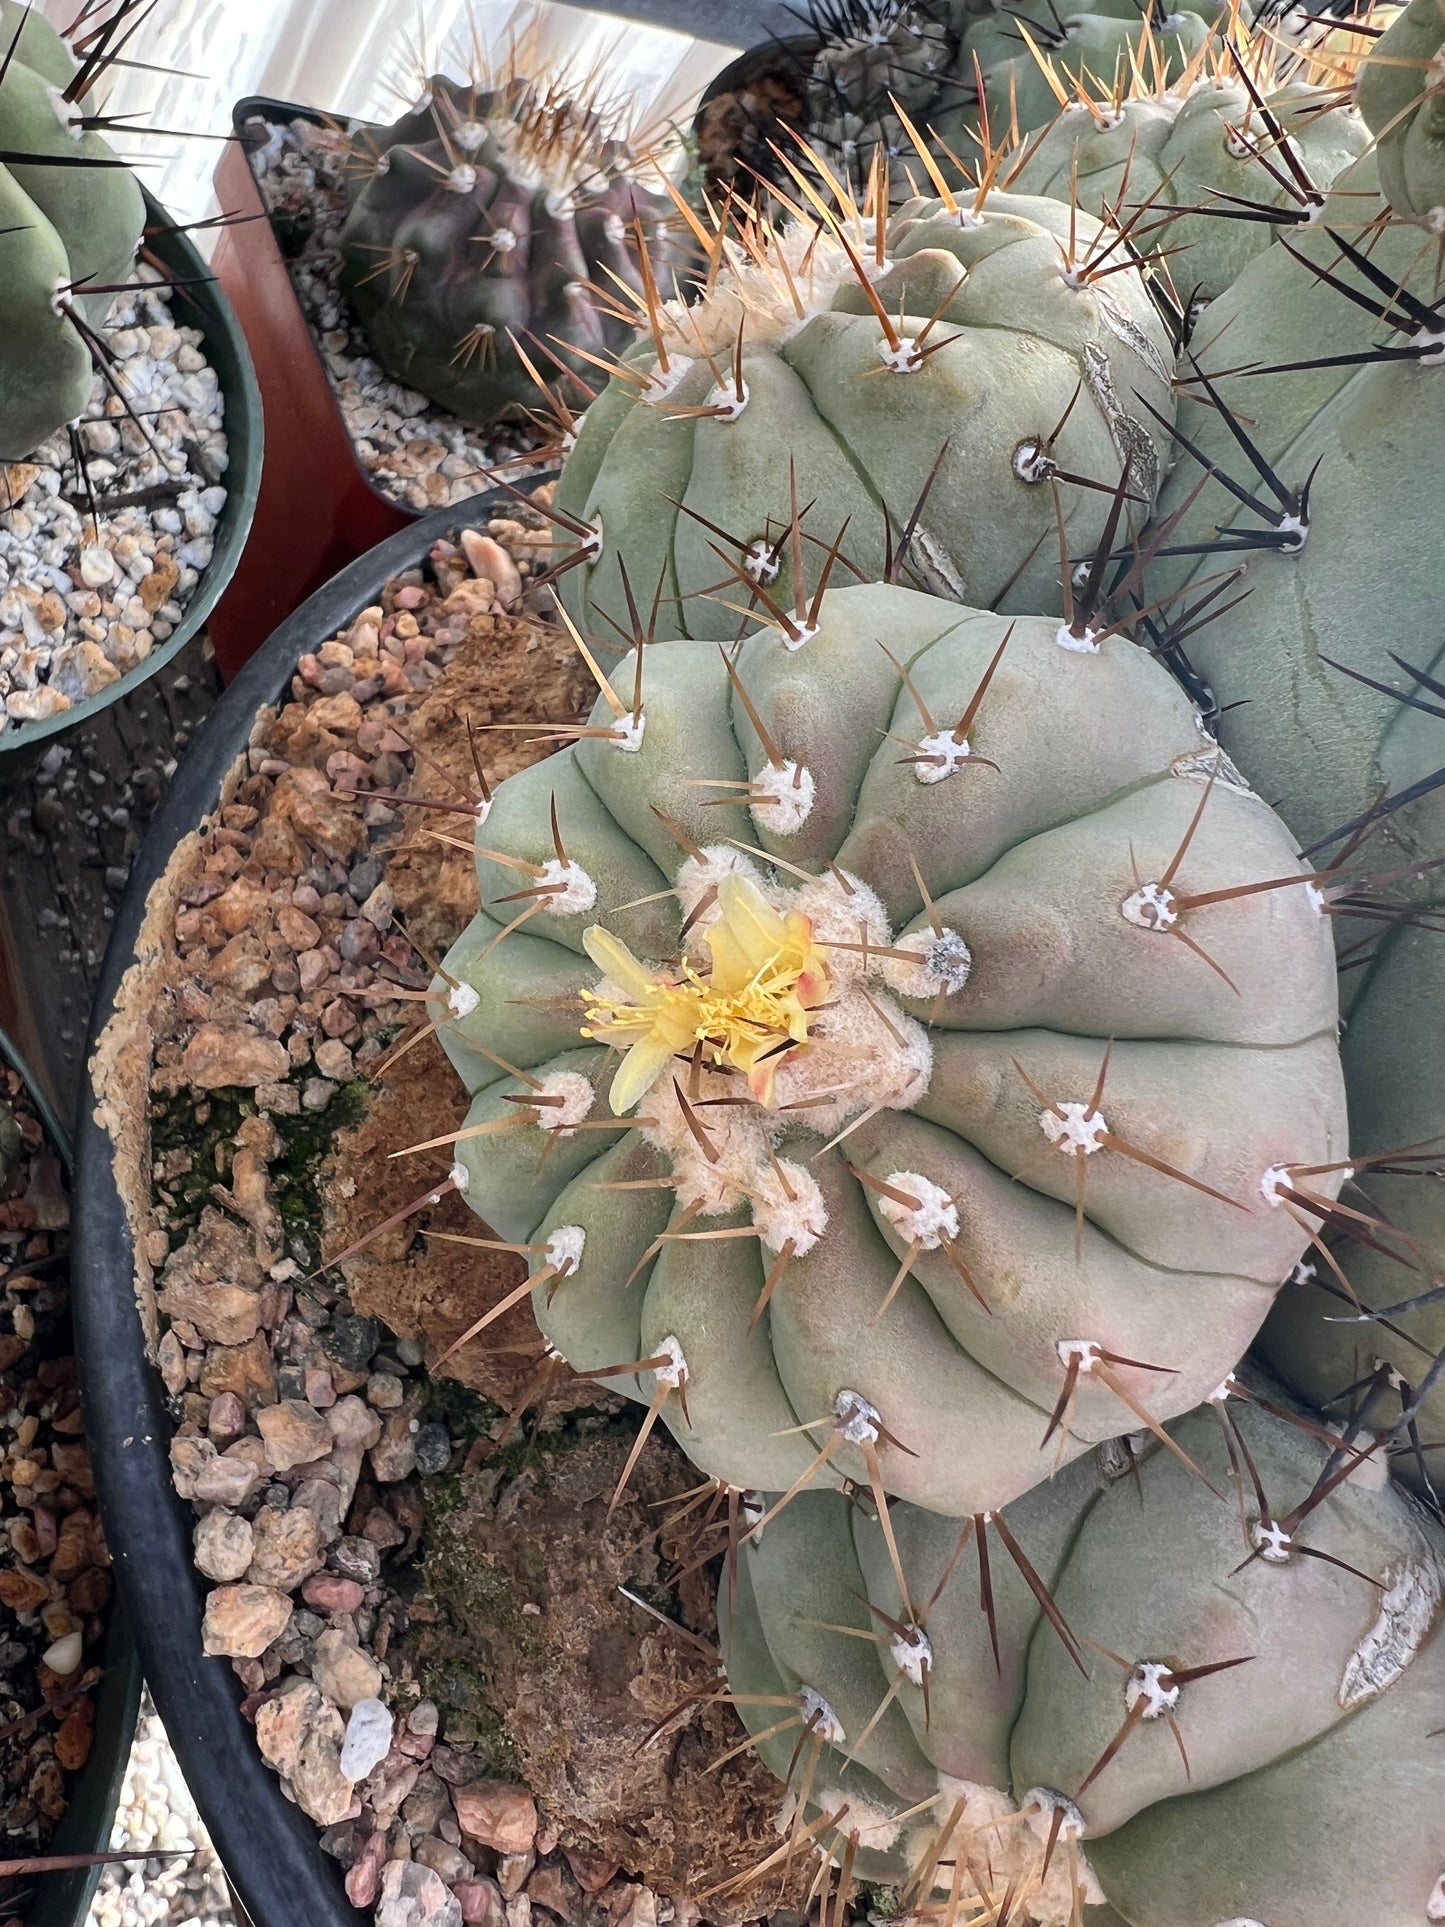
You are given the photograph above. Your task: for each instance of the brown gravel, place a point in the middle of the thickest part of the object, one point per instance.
(55, 1580)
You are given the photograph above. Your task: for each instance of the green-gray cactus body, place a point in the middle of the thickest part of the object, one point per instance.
(480, 220)
(999, 353)
(940, 1108)
(1275, 1681)
(1402, 95)
(1315, 669)
(872, 58)
(70, 220)
(1096, 48)
(1203, 147)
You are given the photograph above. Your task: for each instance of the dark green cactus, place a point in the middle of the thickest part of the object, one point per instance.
(70, 222)
(489, 217)
(1228, 1723)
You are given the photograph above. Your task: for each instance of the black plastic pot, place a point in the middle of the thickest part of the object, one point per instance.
(269, 1847)
(198, 303)
(63, 1899)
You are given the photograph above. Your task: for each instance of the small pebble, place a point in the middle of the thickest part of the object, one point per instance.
(368, 1738)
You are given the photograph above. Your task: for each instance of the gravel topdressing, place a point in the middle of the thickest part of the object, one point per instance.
(106, 530)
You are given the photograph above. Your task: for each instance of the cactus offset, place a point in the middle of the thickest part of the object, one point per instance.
(1227, 1722)
(492, 215)
(976, 352)
(792, 1062)
(70, 222)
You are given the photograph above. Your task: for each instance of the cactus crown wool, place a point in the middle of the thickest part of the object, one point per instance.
(497, 215)
(71, 216)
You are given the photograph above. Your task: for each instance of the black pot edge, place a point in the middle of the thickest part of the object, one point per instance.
(268, 1847)
(63, 1899)
(202, 305)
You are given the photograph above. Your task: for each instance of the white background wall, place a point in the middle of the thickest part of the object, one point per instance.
(362, 58)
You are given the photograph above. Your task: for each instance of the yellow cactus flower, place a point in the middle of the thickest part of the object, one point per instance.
(767, 976)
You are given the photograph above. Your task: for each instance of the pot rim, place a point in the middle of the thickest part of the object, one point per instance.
(270, 1848)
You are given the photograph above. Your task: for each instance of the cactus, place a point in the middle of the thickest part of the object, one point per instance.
(1329, 672)
(71, 217)
(1402, 95)
(485, 216)
(1000, 349)
(1220, 166)
(874, 57)
(1025, 59)
(1228, 1721)
(788, 1023)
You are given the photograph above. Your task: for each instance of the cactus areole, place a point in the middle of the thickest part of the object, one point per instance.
(902, 1046)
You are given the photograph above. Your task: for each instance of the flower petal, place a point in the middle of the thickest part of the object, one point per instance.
(638, 1072)
(616, 961)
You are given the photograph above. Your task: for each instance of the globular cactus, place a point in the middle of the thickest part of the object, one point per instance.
(1204, 1711)
(901, 1048)
(71, 217)
(955, 361)
(1317, 388)
(1219, 166)
(1402, 95)
(875, 57)
(492, 216)
(1025, 58)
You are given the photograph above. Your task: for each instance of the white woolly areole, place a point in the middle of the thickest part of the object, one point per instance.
(752, 1510)
(469, 135)
(1277, 1177)
(67, 113)
(788, 1208)
(1272, 1542)
(1074, 1127)
(1407, 1612)
(695, 879)
(1153, 1685)
(1084, 645)
(462, 179)
(1031, 462)
(728, 403)
(928, 1224)
(460, 1176)
(462, 999)
(628, 730)
(863, 1053)
(614, 228)
(577, 1095)
(1085, 1352)
(787, 795)
(1435, 1905)
(844, 912)
(589, 546)
(904, 358)
(503, 239)
(563, 1249)
(799, 631)
(674, 1371)
(911, 1652)
(943, 967)
(578, 892)
(874, 1829)
(855, 1420)
(1010, 1853)
(761, 563)
(1153, 906)
(1240, 1921)
(939, 755)
(816, 1710)
(1223, 1391)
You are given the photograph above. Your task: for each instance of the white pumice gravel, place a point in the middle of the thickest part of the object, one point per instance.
(107, 528)
(156, 1809)
(412, 451)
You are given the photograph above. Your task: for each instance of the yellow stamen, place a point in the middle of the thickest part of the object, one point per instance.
(767, 976)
